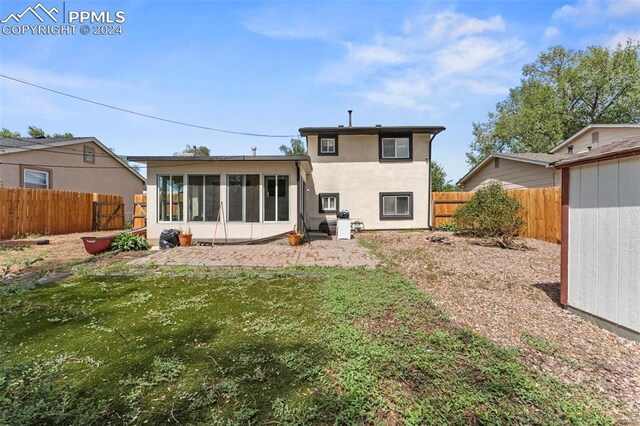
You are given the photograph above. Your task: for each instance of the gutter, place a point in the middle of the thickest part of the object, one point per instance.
(429, 214)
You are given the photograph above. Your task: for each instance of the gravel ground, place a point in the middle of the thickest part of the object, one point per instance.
(512, 297)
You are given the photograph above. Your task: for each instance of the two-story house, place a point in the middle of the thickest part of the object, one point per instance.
(380, 174)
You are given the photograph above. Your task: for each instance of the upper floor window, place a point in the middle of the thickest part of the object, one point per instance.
(36, 179)
(570, 149)
(395, 148)
(327, 145)
(89, 154)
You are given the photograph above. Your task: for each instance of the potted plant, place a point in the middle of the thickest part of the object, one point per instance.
(185, 237)
(294, 237)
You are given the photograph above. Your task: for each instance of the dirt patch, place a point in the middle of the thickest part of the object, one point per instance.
(61, 249)
(512, 297)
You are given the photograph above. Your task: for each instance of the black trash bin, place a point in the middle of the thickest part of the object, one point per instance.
(169, 239)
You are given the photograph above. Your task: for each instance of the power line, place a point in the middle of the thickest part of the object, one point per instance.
(153, 117)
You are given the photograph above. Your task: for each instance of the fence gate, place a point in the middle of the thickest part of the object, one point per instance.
(108, 215)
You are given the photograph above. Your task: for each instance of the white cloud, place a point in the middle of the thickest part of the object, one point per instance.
(435, 61)
(551, 32)
(623, 8)
(375, 54)
(621, 37)
(451, 25)
(278, 25)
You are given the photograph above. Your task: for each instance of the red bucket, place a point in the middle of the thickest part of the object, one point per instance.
(95, 245)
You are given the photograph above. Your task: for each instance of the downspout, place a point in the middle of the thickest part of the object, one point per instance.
(429, 213)
(299, 196)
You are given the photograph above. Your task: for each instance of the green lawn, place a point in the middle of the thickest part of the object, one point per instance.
(298, 347)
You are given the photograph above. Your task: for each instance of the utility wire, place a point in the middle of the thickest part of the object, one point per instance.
(167, 120)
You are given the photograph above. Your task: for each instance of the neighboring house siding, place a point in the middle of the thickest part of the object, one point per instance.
(604, 240)
(75, 175)
(605, 137)
(234, 230)
(359, 177)
(513, 175)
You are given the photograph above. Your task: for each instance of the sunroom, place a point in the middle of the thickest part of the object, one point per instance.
(239, 198)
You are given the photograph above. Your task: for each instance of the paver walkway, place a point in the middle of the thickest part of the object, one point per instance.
(344, 253)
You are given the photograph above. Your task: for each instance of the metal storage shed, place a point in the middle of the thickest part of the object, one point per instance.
(600, 248)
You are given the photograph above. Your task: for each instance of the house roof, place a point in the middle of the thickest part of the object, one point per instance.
(371, 130)
(626, 147)
(590, 127)
(542, 159)
(13, 145)
(304, 159)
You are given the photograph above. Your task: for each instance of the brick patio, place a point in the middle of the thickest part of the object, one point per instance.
(344, 253)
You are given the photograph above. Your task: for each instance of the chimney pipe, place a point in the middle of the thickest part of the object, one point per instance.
(350, 111)
(254, 149)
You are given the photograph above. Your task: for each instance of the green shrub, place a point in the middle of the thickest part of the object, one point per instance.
(448, 227)
(491, 213)
(130, 242)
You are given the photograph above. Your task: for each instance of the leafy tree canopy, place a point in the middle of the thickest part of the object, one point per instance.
(296, 148)
(197, 151)
(33, 132)
(439, 182)
(561, 92)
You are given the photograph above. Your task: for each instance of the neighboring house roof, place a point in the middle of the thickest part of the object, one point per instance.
(590, 127)
(538, 158)
(13, 145)
(624, 148)
(371, 130)
(196, 159)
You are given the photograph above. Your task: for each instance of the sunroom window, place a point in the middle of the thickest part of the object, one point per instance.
(276, 198)
(243, 198)
(203, 197)
(170, 198)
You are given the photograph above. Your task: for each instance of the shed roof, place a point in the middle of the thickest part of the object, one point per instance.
(624, 148)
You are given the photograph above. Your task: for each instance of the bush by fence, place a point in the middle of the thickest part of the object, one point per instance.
(541, 210)
(47, 211)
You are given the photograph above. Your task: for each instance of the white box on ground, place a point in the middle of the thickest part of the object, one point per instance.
(344, 229)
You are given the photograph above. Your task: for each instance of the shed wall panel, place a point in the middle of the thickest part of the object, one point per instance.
(588, 237)
(629, 244)
(575, 294)
(607, 242)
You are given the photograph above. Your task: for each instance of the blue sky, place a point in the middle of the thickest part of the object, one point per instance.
(273, 67)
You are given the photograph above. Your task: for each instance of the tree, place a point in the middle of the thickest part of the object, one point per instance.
(439, 182)
(6, 133)
(560, 93)
(196, 151)
(296, 148)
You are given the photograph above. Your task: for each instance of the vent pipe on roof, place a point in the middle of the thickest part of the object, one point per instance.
(254, 149)
(350, 112)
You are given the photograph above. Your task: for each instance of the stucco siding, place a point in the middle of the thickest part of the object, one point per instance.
(513, 175)
(234, 230)
(69, 172)
(604, 240)
(358, 176)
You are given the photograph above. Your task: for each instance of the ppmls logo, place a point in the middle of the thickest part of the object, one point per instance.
(50, 21)
(34, 11)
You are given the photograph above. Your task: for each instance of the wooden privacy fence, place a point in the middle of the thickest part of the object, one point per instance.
(140, 211)
(47, 211)
(541, 210)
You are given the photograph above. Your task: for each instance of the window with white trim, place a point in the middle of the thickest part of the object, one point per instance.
(328, 203)
(395, 148)
(36, 179)
(396, 205)
(203, 197)
(276, 198)
(243, 198)
(170, 198)
(327, 145)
